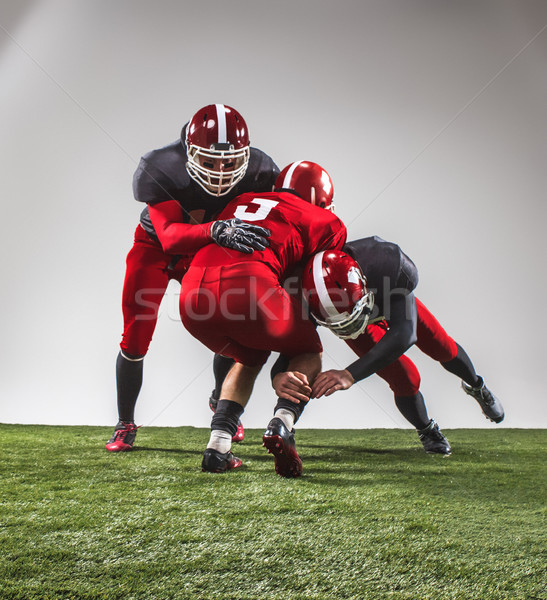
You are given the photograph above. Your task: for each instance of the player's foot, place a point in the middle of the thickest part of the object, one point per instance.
(239, 435)
(217, 462)
(433, 440)
(280, 442)
(491, 406)
(123, 437)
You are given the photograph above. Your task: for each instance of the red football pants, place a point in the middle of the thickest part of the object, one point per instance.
(241, 311)
(402, 375)
(146, 278)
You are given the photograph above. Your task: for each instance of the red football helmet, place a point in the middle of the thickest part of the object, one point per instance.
(309, 181)
(217, 141)
(335, 290)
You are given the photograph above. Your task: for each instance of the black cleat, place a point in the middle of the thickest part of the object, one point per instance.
(490, 405)
(280, 442)
(216, 462)
(433, 440)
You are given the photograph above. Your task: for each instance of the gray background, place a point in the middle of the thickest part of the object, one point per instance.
(429, 115)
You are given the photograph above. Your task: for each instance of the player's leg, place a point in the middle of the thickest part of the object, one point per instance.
(145, 282)
(235, 393)
(221, 367)
(274, 321)
(241, 311)
(208, 316)
(403, 378)
(300, 343)
(279, 435)
(436, 343)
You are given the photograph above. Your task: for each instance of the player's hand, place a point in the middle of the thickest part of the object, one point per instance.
(293, 386)
(331, 381)
(241, 236)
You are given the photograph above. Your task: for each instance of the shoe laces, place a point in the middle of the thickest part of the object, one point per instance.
(432, 431)
(128, 428)
(435, 433)
(485, 395)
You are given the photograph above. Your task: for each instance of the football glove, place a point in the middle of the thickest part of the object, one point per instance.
(238, 235)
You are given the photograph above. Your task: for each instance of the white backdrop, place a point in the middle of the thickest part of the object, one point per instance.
(431, 117)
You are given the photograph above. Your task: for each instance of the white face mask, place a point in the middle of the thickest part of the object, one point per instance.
(350, 326)
(217, 171)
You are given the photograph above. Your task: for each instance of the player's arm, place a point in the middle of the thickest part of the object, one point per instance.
(175, 236)
(401, 335)
(182, 238)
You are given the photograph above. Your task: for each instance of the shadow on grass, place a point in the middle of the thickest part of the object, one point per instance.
(167, 450)
(354, 449)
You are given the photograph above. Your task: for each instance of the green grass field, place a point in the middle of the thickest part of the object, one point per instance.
(373, 516)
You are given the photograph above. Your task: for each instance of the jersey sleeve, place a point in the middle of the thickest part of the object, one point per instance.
(175, 236)
(326, 232)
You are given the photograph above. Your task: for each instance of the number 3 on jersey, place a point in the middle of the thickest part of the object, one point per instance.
(264, 208)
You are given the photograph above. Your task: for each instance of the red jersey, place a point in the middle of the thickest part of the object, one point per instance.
(298, 230)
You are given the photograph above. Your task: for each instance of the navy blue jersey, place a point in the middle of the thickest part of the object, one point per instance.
(389, 271)
(161, 175)
(392, 276)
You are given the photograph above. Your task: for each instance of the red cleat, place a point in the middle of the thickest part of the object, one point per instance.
(123, 438)
(280, 442)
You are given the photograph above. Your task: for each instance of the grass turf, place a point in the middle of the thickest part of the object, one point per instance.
(373, 516)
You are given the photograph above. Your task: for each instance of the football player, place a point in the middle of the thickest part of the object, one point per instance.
(185, 185)
(235, 304)
(380, 322)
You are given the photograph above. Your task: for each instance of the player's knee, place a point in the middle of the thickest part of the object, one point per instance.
(406, 382)
(134, 347)
(131, 356)
(136, 337)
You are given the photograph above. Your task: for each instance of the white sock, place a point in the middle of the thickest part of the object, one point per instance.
(287, 416)
(221, 441)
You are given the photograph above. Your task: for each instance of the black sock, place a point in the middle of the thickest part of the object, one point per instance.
(221, 366)
(462, 367)
(296, 409)
(413, 409)
(227, 416)
(129, 383)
